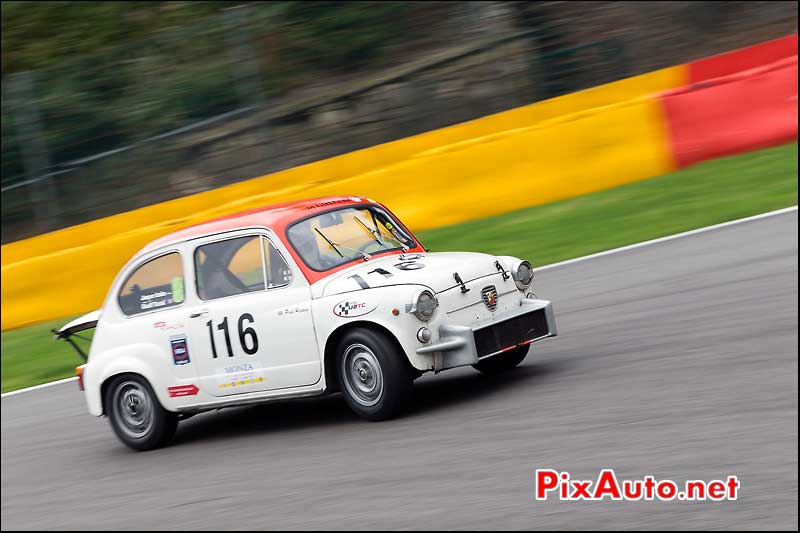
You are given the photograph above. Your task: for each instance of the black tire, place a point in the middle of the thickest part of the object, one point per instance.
(504, 361)
(136, 415)
(378, 382)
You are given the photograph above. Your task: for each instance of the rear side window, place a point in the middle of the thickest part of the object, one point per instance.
(157, 284)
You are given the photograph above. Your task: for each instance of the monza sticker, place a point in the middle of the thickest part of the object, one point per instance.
(180, 350)
(239, 375)
(235, 369)
(351, 308)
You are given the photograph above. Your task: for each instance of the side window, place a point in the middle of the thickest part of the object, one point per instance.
(156, 284)
(278, 272)
(230, 267)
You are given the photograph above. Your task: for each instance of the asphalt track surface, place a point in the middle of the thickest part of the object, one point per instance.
(677, 360)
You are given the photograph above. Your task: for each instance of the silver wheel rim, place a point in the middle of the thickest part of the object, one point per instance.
(134, 409)
(363, 376)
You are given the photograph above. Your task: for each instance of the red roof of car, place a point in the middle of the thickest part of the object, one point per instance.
(276, 217)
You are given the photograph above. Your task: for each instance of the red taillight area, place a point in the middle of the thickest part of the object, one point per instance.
(79, 374)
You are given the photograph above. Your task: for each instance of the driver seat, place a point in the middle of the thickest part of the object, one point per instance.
(217, 285)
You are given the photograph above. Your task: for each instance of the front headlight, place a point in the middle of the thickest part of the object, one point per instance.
(424, 305)
(522, 273)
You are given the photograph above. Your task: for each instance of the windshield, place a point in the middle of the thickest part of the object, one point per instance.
(338, 237)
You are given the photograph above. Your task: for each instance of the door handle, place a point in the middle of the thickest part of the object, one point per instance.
(199, 313)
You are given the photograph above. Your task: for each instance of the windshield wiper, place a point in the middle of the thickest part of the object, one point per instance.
(403, 246)
(333, 244)
(336, 246)
(374, 232)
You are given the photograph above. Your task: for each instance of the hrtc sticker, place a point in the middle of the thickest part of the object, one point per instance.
(352, 308)
(180, 351)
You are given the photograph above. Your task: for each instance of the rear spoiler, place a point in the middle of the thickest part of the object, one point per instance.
(71, 329)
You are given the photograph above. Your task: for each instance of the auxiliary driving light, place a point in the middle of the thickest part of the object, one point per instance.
(424, 334)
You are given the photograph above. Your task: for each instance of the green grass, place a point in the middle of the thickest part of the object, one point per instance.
(31, 356)
(714, 192)
(710, 193)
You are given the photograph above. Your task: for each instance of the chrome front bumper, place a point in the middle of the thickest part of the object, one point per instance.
(457, 344)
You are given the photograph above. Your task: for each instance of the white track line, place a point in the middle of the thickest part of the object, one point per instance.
(35, 387)
(548, 267)
(669, 238)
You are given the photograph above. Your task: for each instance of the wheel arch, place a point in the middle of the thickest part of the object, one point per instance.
(332, 383)
(110, 379)
(144, 360)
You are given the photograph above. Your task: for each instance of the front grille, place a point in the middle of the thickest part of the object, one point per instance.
(511, 332)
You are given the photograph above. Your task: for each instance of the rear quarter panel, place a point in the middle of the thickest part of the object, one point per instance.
(120, 348)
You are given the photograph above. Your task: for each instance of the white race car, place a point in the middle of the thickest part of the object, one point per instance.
(295, 300)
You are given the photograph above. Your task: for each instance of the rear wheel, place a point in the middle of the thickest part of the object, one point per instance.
(504, 361)
(373, 375)
(137, 417)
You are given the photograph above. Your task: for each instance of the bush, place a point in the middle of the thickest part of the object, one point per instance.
(342, 35)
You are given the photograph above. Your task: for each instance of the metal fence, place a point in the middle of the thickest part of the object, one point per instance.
(90, 137)
(198, 107)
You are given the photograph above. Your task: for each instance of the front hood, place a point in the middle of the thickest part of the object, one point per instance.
(434, 270)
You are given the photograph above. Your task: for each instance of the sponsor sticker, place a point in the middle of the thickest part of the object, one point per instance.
(160, 324)
(155, 299)
(180, 350)
(242, 382)
(244, 367)
(351, 308)
(177, 289)
(292, 310)
(240, 375)
(183, 390)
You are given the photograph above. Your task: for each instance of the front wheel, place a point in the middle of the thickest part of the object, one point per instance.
(373, 375)
(136, 415)
(504, 361)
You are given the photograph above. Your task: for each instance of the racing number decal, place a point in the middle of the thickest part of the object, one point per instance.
(243, 334)
(224, 327)
(247, 331)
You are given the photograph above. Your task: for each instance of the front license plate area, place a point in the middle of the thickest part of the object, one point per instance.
(494, 338)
